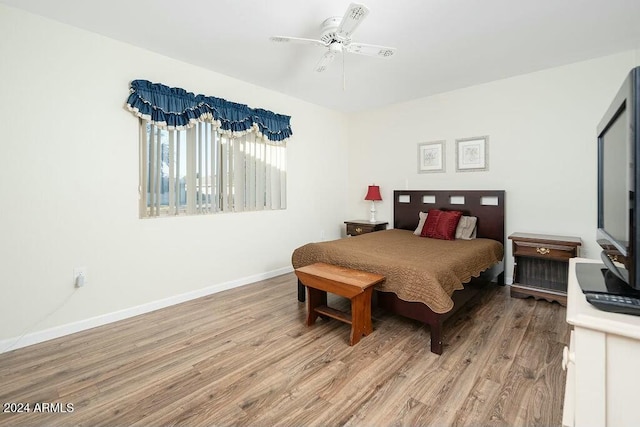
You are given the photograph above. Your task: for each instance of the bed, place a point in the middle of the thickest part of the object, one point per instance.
(426, 279)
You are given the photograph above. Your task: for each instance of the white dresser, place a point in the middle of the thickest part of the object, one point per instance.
(602, 363)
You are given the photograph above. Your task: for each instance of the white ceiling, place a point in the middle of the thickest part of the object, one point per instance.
(441, 44)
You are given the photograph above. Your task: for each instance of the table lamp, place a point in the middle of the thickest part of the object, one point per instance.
(373, 194)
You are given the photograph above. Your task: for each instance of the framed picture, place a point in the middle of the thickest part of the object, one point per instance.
(472, 154)
(431, 156)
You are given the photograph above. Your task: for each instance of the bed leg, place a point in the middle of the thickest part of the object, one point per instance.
(436, 337)
(301, 291)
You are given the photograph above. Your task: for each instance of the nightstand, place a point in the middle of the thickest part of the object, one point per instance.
(541, 267)
(361, 226)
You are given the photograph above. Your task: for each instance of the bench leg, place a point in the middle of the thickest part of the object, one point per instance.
(360, 316)
(301, 290)
(316, 298)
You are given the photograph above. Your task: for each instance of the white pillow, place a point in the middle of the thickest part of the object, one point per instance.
(423, 218)
(466, 229)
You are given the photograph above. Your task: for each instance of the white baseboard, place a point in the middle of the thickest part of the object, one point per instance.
(81, 325)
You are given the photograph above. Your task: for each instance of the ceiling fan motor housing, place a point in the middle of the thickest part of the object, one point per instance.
(329, 27)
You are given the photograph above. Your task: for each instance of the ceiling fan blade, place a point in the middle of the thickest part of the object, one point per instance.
(283, 39)
(326, 59)
(370, 49)
(354, 15)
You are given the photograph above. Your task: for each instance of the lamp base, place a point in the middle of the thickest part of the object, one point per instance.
(372, 216)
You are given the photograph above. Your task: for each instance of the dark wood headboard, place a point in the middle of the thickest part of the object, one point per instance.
(488, 206)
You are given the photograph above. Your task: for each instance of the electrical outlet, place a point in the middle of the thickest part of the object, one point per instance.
(80, 276)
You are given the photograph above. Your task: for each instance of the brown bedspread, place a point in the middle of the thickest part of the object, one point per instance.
(416, 268)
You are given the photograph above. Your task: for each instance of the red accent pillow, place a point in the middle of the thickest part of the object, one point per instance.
(441, 224)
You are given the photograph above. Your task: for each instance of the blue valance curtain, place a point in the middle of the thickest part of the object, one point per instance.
(175, 108)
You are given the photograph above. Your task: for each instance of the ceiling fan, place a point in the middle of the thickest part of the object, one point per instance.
(336, 36)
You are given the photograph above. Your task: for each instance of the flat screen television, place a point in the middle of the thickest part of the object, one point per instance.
(618, 179)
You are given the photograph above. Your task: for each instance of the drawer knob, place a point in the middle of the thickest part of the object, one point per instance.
(358, 230)
(543, 251)
(567, 357)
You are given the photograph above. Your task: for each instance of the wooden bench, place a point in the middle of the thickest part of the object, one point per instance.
(356, 285)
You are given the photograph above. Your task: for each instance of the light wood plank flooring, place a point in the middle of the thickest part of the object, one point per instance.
(244, 357)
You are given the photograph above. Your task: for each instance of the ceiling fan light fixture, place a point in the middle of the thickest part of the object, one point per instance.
(335, 47)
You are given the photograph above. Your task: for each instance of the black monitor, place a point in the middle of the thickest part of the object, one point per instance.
(618, 179)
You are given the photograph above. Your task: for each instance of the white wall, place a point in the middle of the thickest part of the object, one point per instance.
(541, 127)
(69, 178)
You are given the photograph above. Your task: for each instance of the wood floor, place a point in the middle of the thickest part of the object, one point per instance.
(244, 357)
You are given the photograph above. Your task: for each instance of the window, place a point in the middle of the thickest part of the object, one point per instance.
(200, 154)
(201, 170)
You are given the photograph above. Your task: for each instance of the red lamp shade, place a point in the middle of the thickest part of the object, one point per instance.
(373, 193)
